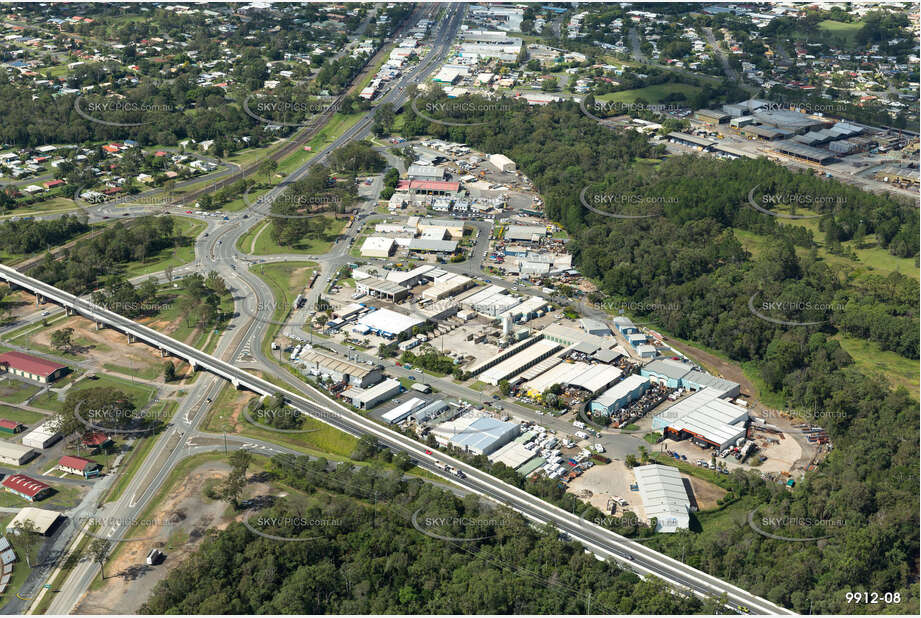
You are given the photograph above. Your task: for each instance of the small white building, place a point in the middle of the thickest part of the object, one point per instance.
(42, 436)
(502, 163)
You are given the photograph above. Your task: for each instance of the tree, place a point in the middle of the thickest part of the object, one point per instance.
(267, 168)
(63, 339)
(27, 538)
(169, 371)
(232, 488)
(99, 550)
(504, 387)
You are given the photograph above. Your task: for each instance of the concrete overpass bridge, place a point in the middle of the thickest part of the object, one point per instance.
(602, 542)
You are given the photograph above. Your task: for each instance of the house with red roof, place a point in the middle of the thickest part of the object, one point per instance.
(96, 440)
(86, 468)
(430, 187)
(31, 367)
(51, 184)
(26, 487)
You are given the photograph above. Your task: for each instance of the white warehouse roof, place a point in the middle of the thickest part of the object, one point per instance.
(389, 321)
(403, 410)
(621, 389)
(592, 378)
(664, 496)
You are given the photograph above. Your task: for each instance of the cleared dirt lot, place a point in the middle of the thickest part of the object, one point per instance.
(179, 526)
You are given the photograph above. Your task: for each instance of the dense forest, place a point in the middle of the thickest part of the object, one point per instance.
(29, 236)
(379, 555)
(691, 258)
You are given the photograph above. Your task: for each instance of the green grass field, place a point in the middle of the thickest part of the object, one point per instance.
(265, 245)
(14, 391)
(140, 394)
(651, 94)
(26, 417)
(841, 29)
(871, 360)
(189, 229)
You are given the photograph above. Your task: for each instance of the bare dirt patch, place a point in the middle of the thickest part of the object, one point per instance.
(189, 515)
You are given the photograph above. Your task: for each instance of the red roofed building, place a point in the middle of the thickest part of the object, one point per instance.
(31, 367)
(26, 487)
(96, 440)
(110, 148)
(51, 184)
(78, 465)
(8, 426)
(429, 187)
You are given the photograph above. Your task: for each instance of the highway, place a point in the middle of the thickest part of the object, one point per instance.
(218, 251)
(603, 542)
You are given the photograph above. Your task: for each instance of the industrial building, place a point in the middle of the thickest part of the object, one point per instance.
(476, 433)
(381, 288)
(705, 418)
(591, 378)
(42, 436)
(491, 301)
(15, 454)
(525, 233)
(501, 163)
(495, 359)
(803, 152)
(339, 369)
(42, 520)
(524, 359)
(429, 411)
(426, 172)
(424, 226)
(711, 116)
(26, 487)
(365, 399)
(432, 245)
(664, 497)
(676, 374)
(388, 323)
(625, 325)
(569, 337)
(514, 455)
(403, 410)
(595, 327)
(378, 247)
(691, 141)
(620, 395)
(31, 367)
(429, 187)
(447, 285)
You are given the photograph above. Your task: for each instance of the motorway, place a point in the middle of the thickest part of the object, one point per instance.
(218, 251)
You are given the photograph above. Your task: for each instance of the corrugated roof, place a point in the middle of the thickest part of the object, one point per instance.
(30, 364)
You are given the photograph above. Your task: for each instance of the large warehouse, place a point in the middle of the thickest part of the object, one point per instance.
(338, 369)
(15, 454)
(388, 323)
(476, 433)
(528, 357)
(378, 246)
(705, 418)
(664, 497)
(403, 410)
(591, 378)
(367, 398)
(676, 374)
(620, 395)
